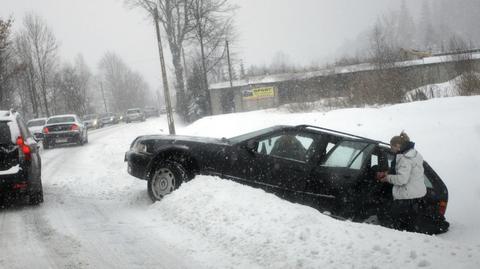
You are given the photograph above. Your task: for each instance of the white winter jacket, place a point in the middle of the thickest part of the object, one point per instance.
(409, 182)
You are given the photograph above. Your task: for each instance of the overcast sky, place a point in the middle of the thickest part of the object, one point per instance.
(306, 30)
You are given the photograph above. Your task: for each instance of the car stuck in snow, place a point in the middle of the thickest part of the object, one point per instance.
(329, 170)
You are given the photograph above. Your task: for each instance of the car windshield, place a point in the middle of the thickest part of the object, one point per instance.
(105, 115)
(66, 119)
(133, 111)
(348, 154)
(36, 123)
(248, 136)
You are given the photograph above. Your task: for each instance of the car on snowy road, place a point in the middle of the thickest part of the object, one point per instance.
(35, 126)
(92, 121)
(109, 118)
(20, 163)
(326, 169)
(63, 129)
(134, 114)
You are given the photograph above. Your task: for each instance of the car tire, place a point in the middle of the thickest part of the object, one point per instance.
(165, 178)
(35, 198)
(80, 141)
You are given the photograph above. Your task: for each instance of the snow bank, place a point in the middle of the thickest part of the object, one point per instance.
(446, 130)
(260, 228)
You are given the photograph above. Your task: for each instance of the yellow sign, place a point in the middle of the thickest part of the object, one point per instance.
(258, 93)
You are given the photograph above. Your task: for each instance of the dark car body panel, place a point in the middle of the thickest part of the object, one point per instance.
(16, 169)
(345, 192)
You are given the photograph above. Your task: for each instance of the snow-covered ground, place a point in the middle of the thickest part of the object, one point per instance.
(97, 216)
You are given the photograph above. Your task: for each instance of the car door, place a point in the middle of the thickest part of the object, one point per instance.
(334, 180)
(281, 162)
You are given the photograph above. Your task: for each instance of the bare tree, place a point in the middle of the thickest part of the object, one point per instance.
(6, 58)
(43, 50)
(26, 79)
(213, 24)
(123, 87)
(177, 24)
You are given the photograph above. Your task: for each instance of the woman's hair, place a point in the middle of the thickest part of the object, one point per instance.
(401, 140)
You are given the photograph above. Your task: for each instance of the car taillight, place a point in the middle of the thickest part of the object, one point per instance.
(74, 127)
(24, 148)
(45, 130)
(442, 207)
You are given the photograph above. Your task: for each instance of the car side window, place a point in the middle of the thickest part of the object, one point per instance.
(348, 154)
(287, 146)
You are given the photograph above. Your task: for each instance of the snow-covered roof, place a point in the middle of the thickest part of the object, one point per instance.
(340, 70)
(61, 116)
(6, 115)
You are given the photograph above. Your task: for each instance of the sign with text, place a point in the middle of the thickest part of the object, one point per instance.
(258, 93)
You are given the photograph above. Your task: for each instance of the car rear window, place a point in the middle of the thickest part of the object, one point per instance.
(5, 134)
(65, 119)
(35, 123)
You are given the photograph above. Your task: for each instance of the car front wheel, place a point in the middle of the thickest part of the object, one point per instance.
(166, 178)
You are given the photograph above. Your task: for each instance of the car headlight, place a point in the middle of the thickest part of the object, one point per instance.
(95, 122)
(111, 118)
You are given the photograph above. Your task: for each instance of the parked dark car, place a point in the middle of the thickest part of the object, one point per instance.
(64, 129)
(20, 163)
(109, 118)
(134, 114)
(35, 126)
(326, 169)
(92, 121)
(151, 112)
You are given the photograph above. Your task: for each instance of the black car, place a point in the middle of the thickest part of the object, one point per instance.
(20, 163)
(326, 169)
(63, 129)
(109, 118)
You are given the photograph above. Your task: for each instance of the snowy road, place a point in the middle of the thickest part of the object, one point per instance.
(83, 224)
(95, 215)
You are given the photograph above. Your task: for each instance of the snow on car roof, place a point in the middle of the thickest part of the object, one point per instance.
(37, 119)
(61, 116)
(6, 115)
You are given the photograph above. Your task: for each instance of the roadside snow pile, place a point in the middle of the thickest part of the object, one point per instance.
(255, 227)
(446, 132)
(440, 90)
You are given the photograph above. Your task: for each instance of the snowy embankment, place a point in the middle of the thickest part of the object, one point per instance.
(261, 228)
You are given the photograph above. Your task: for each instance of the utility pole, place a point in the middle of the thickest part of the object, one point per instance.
(229, 65)
(103, 96)
(171, 124)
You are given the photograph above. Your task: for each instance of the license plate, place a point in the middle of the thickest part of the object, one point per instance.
(61, 140)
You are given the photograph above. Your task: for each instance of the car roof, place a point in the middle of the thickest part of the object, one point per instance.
(37, 119)
(61, 116)
(7, 115)
(340, 133)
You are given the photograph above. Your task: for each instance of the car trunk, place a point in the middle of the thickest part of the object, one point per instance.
(59, 127)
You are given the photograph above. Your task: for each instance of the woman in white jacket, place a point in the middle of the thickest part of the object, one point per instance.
(407, 179)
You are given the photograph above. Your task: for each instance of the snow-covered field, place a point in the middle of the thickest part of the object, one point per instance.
(97, 216)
